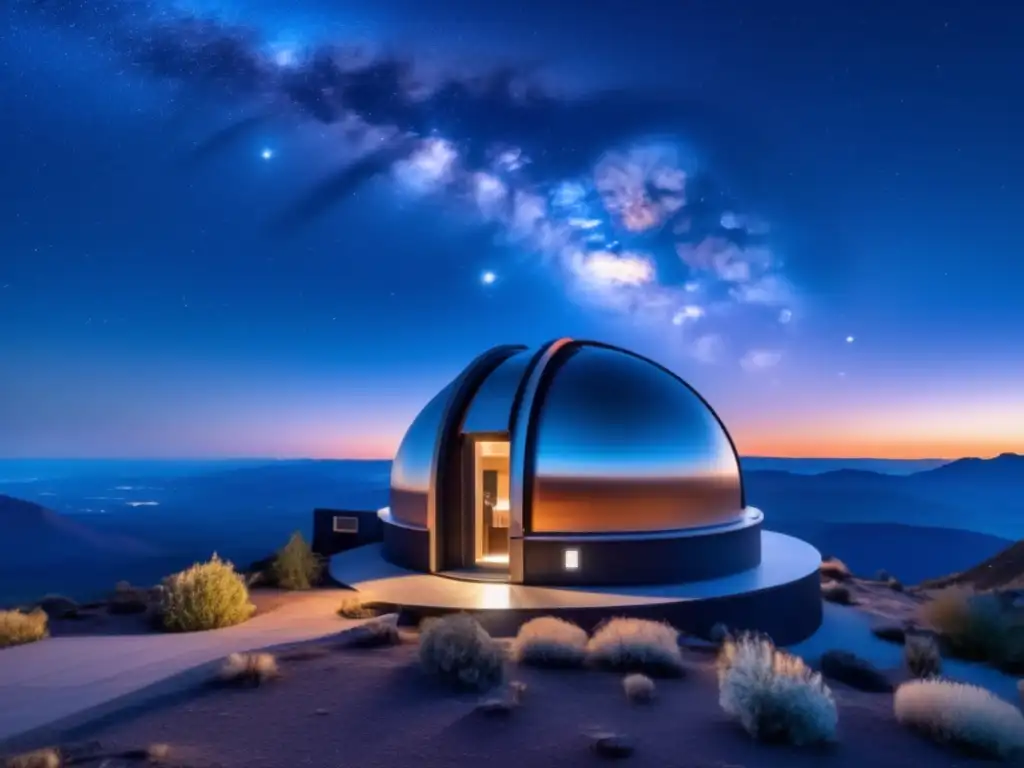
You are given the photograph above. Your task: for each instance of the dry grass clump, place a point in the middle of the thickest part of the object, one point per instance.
(58, 606)
(158, 752)
(248, 669)
(206, 596)
(835, 569)
(459, 651)
(922, 656)
(296, 565)
(18, 627)
(39, 758)
(639, 688)
(892, 633)
(548, 641)
(637, 645)
(719, 633)
(127, 599)
(977, 626)
(837, 593)
(354, 608)
(963, 716)
(774, 695)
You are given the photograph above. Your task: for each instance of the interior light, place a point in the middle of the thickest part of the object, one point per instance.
(572, 559)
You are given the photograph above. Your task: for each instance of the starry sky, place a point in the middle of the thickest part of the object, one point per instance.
(278, 227)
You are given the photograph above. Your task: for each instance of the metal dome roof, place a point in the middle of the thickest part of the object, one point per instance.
(602, 440)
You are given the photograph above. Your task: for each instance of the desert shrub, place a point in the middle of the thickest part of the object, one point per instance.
(836, 593)
(39, 758)
(354, 608)
(248, 668)
(895, 585)
(158, 752)
(719, 633)
(206, 596)
(636, 645)
(835, 569)
(922, 657)
(639, 688)
(961, 715)
(893, 633)
(19, 627)
(550, 642)
(296, 566)
(373, 634)
(975, 625)
(774, 695)
(58, 606)
(459, 651)
(854, 671)
(127, 599)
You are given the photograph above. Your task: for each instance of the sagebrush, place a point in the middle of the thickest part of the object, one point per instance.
(19, 627)
(922, 656)
(977, 626)
(837, 593)
(248, 668)
(206, 596)
(960, 715)
(548, 641)
(460, 652)
(774, 695)
(296, 565)
(636, 645)
(639, 688)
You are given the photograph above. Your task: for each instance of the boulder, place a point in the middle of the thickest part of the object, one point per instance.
(850, 669)
(613, 745)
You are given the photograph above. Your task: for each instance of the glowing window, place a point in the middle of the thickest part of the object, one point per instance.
(572, 559)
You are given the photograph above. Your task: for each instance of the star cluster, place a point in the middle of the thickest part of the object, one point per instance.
(630, 220)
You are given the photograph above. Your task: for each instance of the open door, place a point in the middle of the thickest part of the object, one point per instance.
(491, 504)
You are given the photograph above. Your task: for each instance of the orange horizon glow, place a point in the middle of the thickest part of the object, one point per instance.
(908, 450)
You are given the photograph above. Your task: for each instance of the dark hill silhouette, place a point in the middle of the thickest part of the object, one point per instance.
(1007, 467)
(1003, 570)
(33, 535)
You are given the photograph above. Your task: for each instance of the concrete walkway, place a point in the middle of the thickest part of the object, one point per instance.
(61, 680)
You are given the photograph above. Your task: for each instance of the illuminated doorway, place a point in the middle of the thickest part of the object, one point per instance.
(491, 504)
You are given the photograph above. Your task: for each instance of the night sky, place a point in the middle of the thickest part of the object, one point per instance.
(278, 227)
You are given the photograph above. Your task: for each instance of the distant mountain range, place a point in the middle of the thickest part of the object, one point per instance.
(34, 534)
(88, 529)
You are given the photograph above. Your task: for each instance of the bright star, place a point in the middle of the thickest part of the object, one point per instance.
(849, 339)
(267, 154)
(488, 277)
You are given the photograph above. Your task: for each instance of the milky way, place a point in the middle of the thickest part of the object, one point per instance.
(591, 184)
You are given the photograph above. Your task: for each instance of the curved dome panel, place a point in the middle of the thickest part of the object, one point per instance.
(412, 469)
(622, 445)
(491, 409)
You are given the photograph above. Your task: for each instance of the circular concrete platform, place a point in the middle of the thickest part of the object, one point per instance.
(782, 596)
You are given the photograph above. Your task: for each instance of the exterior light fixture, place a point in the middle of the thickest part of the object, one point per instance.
(572, 559)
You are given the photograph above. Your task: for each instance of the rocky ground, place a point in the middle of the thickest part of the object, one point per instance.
(375, 708)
